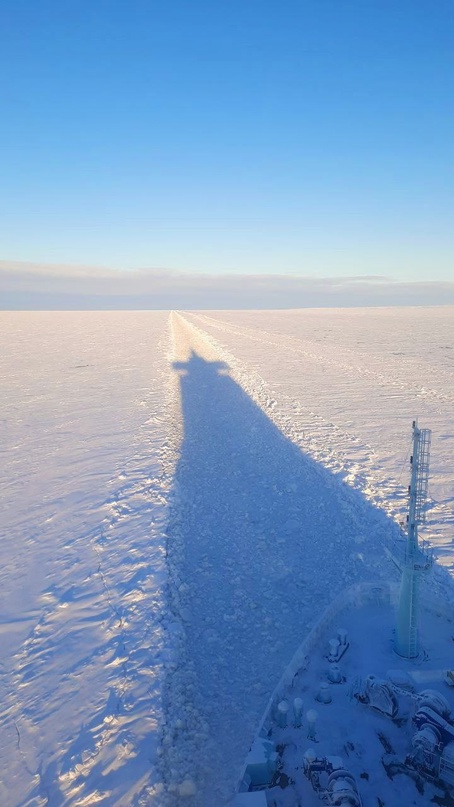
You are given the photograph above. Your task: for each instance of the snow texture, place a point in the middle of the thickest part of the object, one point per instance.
(182, 496)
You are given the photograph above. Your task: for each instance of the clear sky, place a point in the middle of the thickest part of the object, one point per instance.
(229, 136)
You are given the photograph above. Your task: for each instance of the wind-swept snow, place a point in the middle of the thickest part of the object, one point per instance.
(82, 573)
(174, 525)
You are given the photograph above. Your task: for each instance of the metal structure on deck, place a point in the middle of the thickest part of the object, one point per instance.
(416, 560)
(330, 670)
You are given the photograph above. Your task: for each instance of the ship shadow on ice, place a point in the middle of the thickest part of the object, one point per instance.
(261, 538)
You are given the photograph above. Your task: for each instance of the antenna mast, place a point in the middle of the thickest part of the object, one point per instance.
(416, 561)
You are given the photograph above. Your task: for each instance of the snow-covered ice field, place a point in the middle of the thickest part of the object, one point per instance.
(82, 571)
(182, 494)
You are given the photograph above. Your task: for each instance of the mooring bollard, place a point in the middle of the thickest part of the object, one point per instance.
(311, 716)
(297, 711)
(282, 714)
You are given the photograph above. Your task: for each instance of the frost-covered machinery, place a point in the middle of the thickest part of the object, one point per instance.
(378, 694)
(433, 743)
(334, 785)
(432, 752)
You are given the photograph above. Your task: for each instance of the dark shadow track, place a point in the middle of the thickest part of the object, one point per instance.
(268, 539)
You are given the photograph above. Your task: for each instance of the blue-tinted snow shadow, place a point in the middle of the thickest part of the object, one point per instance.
(263, 538)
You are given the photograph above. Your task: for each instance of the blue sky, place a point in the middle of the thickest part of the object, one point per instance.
(229, 136)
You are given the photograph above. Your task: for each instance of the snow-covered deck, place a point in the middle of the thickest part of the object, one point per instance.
(371, 745)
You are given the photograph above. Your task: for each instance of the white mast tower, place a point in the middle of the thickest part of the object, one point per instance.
(416, 560)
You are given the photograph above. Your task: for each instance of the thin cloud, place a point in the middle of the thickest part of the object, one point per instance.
(45, 286)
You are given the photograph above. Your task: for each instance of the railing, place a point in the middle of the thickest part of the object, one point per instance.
(422, 479)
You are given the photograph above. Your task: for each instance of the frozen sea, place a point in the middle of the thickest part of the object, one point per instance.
(181, 495)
